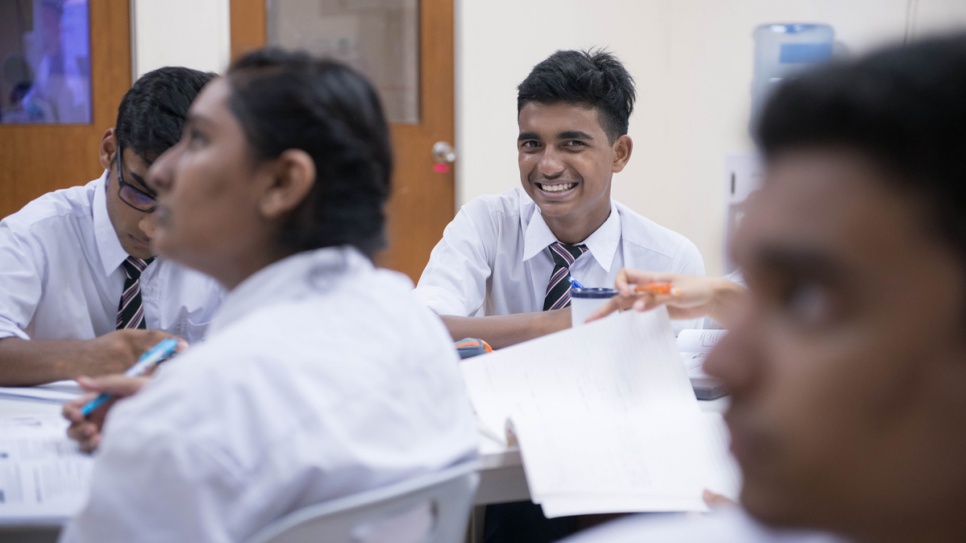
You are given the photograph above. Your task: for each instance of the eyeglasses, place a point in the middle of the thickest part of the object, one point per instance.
(131, 195)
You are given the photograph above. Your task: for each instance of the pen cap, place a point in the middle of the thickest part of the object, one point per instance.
(584, 301)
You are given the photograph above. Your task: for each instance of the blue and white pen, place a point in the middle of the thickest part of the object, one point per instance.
(575, 283)
(151, 358)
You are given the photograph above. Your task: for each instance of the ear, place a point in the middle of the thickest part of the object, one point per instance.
(622, 152)
(293, 176)
(107, 149)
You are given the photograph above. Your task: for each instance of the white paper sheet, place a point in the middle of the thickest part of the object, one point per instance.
(624, 363)
(604, 414)
(58, 391)
(726, 474)
(44, 477)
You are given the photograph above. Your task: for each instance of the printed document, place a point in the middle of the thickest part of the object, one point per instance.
(44, 477)
(605, 418)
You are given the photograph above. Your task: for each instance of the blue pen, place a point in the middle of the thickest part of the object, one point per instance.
(154, 356)
(575, 283)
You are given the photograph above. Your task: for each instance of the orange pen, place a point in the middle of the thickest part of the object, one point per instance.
(654, 288)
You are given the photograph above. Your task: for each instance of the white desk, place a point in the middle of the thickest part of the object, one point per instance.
(501, 469)
(16, 406)
(502, 478)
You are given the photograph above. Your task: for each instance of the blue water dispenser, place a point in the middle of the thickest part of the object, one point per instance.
(783, 49)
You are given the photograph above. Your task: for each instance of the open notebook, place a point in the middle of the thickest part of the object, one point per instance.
(605, 418)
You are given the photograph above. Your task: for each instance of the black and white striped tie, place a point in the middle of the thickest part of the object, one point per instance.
(130, 312)
(558, 288)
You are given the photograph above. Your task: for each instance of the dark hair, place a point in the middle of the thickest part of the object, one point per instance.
(594, 78)
(151, 114)
(904, 107)
(290, 100)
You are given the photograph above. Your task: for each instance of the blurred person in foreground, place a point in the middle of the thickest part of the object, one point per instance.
(846, 359)
(321, 376)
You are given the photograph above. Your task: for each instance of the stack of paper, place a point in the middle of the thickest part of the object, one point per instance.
(44, 477)
(605, 418)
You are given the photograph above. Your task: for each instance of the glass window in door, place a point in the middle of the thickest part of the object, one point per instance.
(45, 66)
(380, 38)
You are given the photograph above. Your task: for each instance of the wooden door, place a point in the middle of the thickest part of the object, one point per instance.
(36, 159)
(423, 200)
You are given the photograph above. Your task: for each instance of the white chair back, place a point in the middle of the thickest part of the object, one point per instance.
(432, 508)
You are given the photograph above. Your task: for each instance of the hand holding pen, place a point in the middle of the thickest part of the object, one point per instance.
(647, 288)
(85, 427)
(154, 356)
(686, 296)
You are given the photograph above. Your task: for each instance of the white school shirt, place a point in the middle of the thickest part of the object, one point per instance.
(493, 258)
(729, 525)
(61, 275)
(320, 377)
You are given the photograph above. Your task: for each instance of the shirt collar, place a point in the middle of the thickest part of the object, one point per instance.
(602, 244)
(289, 278)
(604, 241)
(537, 236)
(108, 246)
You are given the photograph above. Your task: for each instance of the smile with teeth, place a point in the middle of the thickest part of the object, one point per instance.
(560, 187)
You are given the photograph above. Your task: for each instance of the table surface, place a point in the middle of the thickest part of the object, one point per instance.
(502, 478)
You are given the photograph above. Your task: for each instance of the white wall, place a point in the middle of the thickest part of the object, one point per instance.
(191, 33)
(692, 60)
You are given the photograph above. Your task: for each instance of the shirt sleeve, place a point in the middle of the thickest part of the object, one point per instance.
(454, 281)
(22, 265)
(688, 260)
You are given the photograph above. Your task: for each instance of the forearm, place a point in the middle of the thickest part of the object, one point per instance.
(38, 361)
(505, 330)
(34, 362)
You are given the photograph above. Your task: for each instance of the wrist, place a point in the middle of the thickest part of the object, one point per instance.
(724, 301)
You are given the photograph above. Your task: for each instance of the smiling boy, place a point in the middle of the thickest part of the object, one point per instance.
(80, 291)
(501, 271)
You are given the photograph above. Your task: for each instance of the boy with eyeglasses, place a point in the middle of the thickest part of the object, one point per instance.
(80, 290)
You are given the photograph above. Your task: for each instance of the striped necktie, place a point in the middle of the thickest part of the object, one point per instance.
(130, 312)
(558, 289)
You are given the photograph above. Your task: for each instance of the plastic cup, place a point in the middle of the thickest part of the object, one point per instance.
(584, 301)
